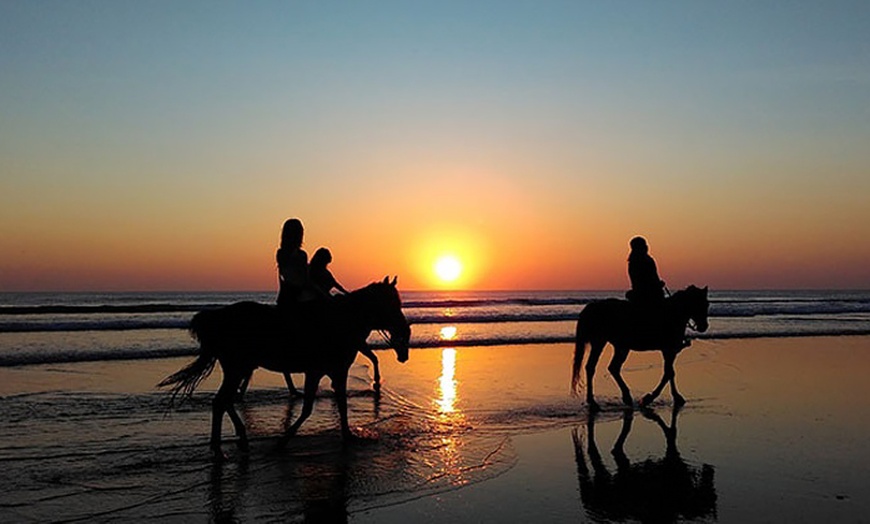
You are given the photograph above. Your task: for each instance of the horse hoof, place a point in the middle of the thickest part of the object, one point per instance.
(593, 406)
(646, 401)
(679, 401)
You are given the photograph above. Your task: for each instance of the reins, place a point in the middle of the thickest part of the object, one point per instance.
(383, 334)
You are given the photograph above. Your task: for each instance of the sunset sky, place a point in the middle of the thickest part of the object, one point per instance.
(160, 145)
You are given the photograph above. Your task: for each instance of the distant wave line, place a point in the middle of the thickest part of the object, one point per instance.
(182, 308)
(720, 308)
(126, 308)
(61, 357)
(108, 324)
(58, 357)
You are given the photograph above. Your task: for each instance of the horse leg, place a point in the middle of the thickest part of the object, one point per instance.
(291, 387)
(367, 351)
(595, 349)
(615, 368)
(618, 451)
(592, 448)
(237, 423)
(670, 433)
(667, 376)
(223, 403)
(243, 387)
(339, 385)
(312, 380)
(679, 400)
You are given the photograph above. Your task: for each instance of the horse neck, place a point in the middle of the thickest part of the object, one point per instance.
(357, 307)
(679, 306)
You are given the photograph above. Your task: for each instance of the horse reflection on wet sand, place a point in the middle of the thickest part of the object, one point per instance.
(626, 326)
(667, 489)
(247, 335)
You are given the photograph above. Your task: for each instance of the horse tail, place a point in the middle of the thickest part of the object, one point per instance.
(184, 381)
(580, 341)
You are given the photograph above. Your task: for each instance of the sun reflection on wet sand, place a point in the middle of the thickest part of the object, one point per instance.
(448, 414)
(447, 382)
(448, 332)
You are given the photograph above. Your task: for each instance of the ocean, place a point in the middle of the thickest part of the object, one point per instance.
(40, 328)
(774, 428)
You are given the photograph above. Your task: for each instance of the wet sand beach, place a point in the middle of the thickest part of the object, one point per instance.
(774, 431)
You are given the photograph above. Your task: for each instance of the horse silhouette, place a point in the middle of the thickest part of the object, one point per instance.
(667, 489)
(247, 335)
(628, 326)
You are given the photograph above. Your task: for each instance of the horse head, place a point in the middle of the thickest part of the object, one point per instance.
(698, 307)
(386, 314)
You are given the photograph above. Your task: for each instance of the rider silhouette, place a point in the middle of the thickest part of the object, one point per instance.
(647, 288)
(294, 283)
(320, 275)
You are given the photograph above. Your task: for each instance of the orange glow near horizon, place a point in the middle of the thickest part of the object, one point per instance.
(554, 248)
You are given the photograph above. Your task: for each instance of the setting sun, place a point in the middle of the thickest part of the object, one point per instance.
(448, 268)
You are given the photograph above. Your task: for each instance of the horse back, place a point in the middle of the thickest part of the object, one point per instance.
(239, 319)
(605, 310)
(250, 333)
(623, 323)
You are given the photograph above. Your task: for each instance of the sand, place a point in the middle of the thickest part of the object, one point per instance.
(774, 431)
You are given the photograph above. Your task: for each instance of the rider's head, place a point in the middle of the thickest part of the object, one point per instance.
(321, 257)
(291, 234)
(639, 244)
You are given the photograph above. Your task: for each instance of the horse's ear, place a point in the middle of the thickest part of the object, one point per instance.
(386, 280)
(395, 279)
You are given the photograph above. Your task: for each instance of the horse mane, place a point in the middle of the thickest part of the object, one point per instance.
(369, 290)
(690, 290)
